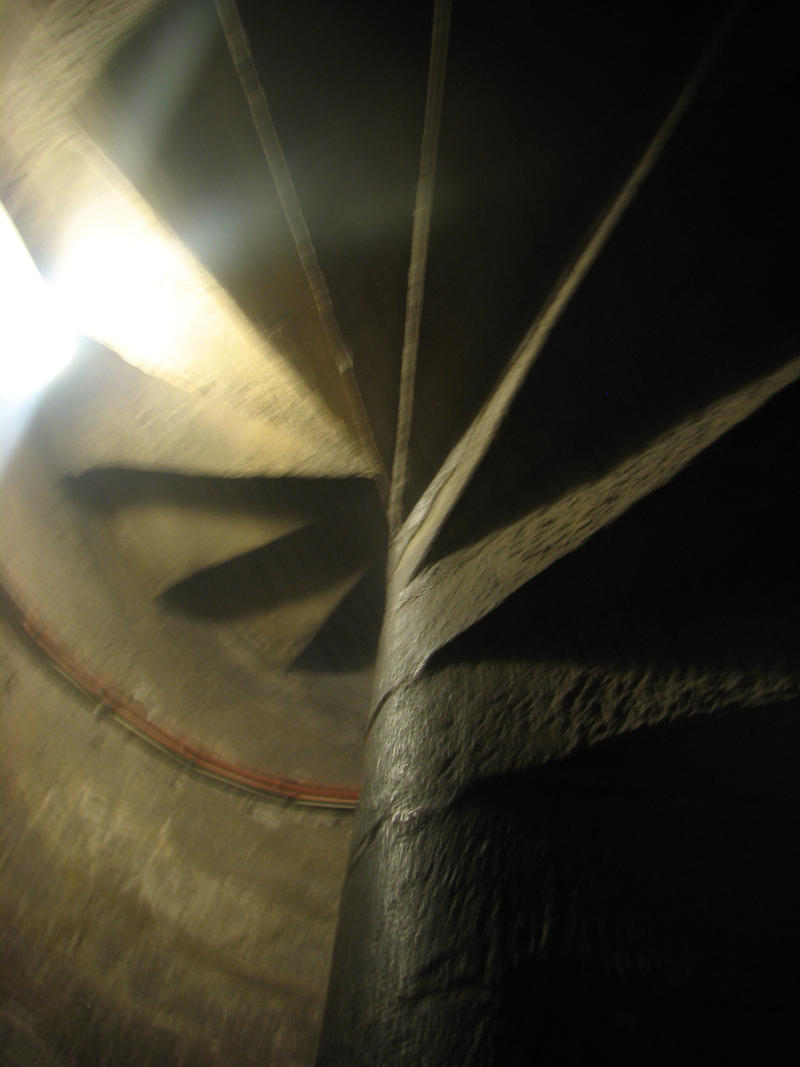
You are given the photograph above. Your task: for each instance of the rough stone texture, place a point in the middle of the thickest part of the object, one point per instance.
(634, 905)
(127, 278)
(633, 902)
(135, 928)
(90, 426)
(202, 675)
(577, 835)
(149, 917)
(471, 583)
(577, 842)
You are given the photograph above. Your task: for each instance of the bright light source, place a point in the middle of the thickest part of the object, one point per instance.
(116, 274)
(36, 340)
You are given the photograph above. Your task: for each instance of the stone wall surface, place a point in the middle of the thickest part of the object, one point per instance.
(559, 653)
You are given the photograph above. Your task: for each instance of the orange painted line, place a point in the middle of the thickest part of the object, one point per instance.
(131, 713)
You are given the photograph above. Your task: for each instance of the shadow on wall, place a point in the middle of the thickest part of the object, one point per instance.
(703, 573)
(654, 887)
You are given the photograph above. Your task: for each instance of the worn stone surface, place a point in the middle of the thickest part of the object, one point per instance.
(89, 425)
(202, 674)
(125, 275)
(576, 834)
(577, 842)
(136, 928)
(634, 905)
(469, 584)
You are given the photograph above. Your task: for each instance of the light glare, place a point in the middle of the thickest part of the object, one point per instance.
(117, 278)
(36, 339)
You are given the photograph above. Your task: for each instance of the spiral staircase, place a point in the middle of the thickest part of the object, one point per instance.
(559, 244)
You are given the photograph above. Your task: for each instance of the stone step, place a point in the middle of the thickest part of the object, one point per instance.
(270, 603)
(107, 413)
